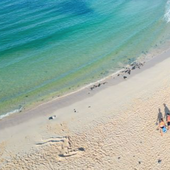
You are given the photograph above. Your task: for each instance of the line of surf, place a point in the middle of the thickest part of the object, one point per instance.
(144, 60)
(11, 112)
(167, 12)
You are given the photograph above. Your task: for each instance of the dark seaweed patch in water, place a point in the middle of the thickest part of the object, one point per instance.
(77, 7)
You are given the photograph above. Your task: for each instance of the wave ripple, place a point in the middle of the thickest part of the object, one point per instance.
(167, 12)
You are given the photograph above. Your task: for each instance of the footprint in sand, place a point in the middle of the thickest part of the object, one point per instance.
(65, 145)
(74, 152)
(53, 140)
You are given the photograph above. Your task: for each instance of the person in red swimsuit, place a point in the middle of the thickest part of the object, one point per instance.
(168, 120)
(162, 126)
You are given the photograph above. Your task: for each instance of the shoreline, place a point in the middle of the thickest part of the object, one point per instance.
(140, 60)
(117, 77)
(94, 126)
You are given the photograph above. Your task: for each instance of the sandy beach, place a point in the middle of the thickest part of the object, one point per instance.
(110, 125)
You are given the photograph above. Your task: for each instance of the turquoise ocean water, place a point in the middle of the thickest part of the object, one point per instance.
(51, 47)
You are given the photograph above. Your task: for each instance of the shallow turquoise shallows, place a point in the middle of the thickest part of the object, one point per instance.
(50, 47)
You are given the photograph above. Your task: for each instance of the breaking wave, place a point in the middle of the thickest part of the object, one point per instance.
(12, 112)
(167, 12)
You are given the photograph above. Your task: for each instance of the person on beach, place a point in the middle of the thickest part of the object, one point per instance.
(162, 127)
(159, 117)
(168, 120)
(166, 109)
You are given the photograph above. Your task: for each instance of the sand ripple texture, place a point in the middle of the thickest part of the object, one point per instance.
(130, 140)
(122, 138)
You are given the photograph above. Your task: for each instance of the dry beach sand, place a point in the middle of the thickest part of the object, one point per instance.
(112, 126)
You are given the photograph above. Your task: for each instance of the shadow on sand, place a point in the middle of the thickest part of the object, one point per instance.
(166, 110)
(159, 116)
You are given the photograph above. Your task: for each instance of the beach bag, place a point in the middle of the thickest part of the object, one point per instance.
(164, 129)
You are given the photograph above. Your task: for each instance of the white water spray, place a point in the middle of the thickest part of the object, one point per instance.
(167, 12)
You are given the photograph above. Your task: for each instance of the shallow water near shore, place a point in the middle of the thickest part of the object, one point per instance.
(48, 48)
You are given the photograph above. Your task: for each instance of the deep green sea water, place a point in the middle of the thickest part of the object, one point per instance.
(51, 47)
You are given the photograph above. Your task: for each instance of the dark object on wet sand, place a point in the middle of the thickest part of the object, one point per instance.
(136, 65)
(159, 161)
(125, 77)
(127, 70)
(52, 117)
(133, 67)
(81, 149)
(93, 87)
(74, 110)
(139, 162)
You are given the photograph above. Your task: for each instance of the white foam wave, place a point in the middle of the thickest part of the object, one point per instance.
(167, 12)
(10, 113)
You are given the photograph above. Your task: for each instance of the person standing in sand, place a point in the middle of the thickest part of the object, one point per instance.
(168, 120)
(162, 127)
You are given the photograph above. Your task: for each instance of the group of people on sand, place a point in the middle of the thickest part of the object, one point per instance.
(162, 125)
